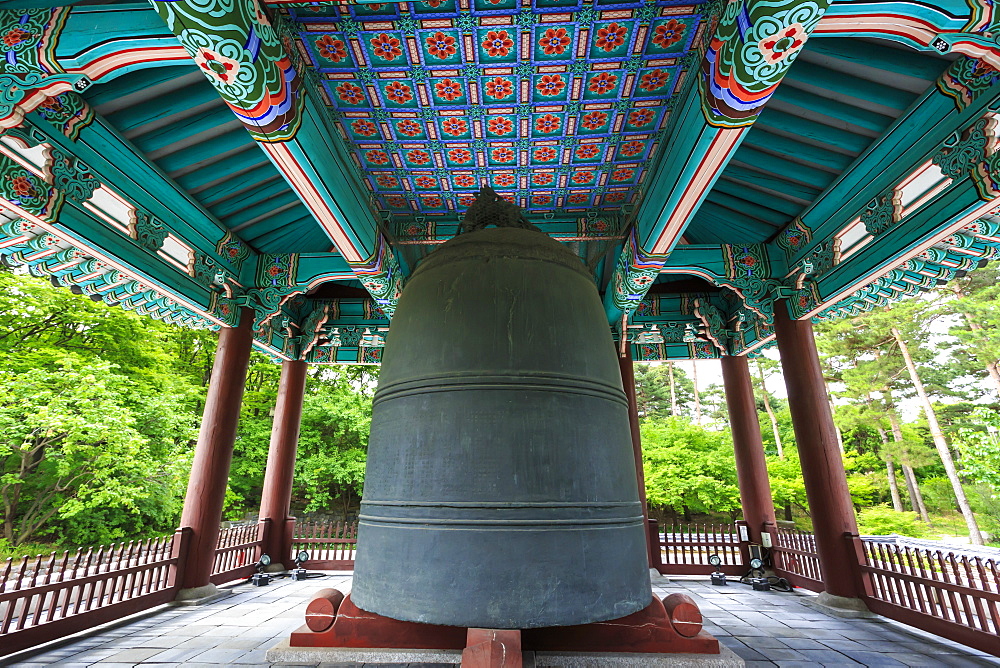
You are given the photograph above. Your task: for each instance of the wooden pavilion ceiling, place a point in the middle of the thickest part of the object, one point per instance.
(564, 116)
(838, 98)
(338, 143)
(174, 117)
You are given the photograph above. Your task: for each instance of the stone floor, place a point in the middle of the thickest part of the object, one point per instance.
(765, 628)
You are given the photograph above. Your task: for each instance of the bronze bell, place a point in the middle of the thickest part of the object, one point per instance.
(500, 489)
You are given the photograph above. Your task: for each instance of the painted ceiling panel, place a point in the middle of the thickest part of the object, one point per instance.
(557, 106)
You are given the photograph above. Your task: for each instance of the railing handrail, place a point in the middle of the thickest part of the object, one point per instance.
(983, 551)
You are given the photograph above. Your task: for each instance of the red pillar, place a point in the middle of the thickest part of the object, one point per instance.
(628, 383)
(212, 456)
(751, 467)
(819, 455)
(277, 496)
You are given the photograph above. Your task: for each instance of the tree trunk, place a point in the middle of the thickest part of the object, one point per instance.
(788, 512)
(916, 498)
(939, 442)
(890, 470)
(673, 389)
(697, 396)
(770, 411)
(912, 488)
(687, 513)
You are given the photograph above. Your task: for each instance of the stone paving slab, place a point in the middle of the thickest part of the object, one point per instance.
(764, 628)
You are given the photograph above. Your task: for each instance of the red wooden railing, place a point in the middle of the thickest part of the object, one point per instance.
(684, 549)
(330, 544)
(956, 596)
(46, 598)
(794, 558)
(237, 553)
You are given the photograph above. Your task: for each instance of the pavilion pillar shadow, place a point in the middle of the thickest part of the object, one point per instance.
(820, 458)
(751, 466)
(276, 499)
(213, 455)
(627, 367)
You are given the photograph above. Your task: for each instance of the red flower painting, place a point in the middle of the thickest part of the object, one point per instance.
(632, 148)
(668, 33)
(594, 120)
(386, 47)
(554, 41)
(653, 80)
(350, 93)
(548, 123)
(409, 127)
(603, 83)
(610, 37)
(459, 156)
(398, 92)
(504, 180)
(418, 157)
(441, 46)
(331, 49)
(544, 154)
(377, 157)
(498, 88)
(550, 84)
(640, 117)
(500, 126)
(542, 179)
(502, 155)
(364, 128)
(583, 177)
(497, 43)
(455, 127)
(446, 89)
(587, 152)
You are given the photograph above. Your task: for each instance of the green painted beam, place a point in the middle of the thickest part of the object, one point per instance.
(223, 171)
(783, 210)
(823, 77)
(760, 214)
(761, 137)
(817, 132)
(135, 117)
(765, 180)
(115, 163)
(250, 198)
(232, 140)
(887, 58)
(210, 120)
(255, 177)
(847, 113)
(783, 169)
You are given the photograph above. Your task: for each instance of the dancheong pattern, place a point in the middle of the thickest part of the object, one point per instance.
(556, 105)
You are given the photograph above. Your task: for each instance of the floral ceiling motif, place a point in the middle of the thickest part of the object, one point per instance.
(558, 104)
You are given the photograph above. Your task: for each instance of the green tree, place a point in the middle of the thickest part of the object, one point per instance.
(689, 468)
(69, 446)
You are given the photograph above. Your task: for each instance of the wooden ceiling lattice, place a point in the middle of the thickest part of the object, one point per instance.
(556, 106)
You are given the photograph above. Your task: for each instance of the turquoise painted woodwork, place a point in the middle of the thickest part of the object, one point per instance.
(737, 184)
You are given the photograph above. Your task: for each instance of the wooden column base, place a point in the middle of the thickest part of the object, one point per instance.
(649, 631)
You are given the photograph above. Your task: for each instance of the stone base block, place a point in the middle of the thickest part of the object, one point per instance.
(283, 653)
(841, 606)
(200, 595)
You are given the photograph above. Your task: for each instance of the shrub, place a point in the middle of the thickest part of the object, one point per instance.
(883, 520)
